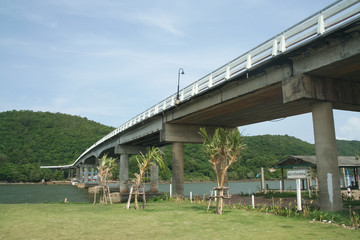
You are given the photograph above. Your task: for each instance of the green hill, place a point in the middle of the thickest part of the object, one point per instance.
(30, 139)
(261, 151)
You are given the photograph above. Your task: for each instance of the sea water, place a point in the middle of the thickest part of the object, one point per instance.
(41, 193)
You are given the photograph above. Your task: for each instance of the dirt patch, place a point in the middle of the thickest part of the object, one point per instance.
(261, 200)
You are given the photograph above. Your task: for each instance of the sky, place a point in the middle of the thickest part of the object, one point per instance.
(109, 60)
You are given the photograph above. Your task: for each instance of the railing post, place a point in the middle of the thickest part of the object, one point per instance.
(282, 43)
(227, 73)
(182, 95)
(275, 47)
(248, 61)
(195, 89)
(210, 81)
(321, 25)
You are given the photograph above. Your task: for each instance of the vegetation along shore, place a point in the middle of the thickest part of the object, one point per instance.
(30, 139)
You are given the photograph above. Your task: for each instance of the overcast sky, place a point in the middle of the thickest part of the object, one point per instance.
(109, 60)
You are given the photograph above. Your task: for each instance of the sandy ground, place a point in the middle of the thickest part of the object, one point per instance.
(284, 202)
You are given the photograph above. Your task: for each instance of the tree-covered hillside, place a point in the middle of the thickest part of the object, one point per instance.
(261, 151)
(30, 139)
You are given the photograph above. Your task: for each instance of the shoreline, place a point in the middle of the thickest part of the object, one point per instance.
(160, 182)
(36, 183)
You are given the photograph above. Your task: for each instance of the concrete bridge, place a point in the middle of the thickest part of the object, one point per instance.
(314, 66)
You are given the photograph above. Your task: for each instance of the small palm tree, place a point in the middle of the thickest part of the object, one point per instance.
(152, 157)
(224, 149)
(104, 173)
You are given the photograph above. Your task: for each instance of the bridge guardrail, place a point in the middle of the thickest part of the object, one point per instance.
(331, 17)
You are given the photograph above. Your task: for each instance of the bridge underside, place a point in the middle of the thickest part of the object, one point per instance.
(328, 69)
(318, 76)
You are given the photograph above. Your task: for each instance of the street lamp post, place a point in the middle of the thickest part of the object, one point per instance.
(181, 71)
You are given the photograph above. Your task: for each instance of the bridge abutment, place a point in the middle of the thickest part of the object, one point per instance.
(326, 157)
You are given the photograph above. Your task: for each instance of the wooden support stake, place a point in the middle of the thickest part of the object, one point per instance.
(211, 195)
(140, 193)
(94, 196)
(109, 194)
(220, 196)
(144, 198)
(128, 203)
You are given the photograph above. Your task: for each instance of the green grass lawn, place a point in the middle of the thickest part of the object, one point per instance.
(168, 220)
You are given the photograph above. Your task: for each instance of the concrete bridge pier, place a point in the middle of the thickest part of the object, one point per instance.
(154, 179)
(124, 173)
(178, 169)
(86, 174)
(125, 151)
(326, 157)
(92, 174)
(78, 174)
(81, 169)
(178, 134)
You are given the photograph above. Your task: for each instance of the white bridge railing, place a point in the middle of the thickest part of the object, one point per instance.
(331, 17)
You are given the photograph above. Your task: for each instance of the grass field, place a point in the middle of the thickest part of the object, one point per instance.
(168, 220)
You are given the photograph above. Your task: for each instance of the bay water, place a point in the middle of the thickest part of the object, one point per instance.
(40, 193)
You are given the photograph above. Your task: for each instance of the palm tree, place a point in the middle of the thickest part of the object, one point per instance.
(104, 173)
(152, 157)
(224, 149)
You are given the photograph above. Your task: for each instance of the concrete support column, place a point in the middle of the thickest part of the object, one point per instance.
(92, 175)
(344, 177)
(282, 180)
(326, 157)
(358, 178)
(81, 174)
(86, 175)
(178, 169)
(262, 180)
(124, 173)
(78, 174)
(154, 179)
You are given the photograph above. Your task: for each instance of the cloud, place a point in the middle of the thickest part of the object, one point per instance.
(60, 101)
(351, 130)
(158, 19)
(41, 20)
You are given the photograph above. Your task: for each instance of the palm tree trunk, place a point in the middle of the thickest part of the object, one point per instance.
(136, 197)
(219, 203)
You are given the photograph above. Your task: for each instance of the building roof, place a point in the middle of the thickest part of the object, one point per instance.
(310, 161)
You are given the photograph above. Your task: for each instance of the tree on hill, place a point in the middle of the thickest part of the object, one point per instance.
(29, 139)
(348, 148)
